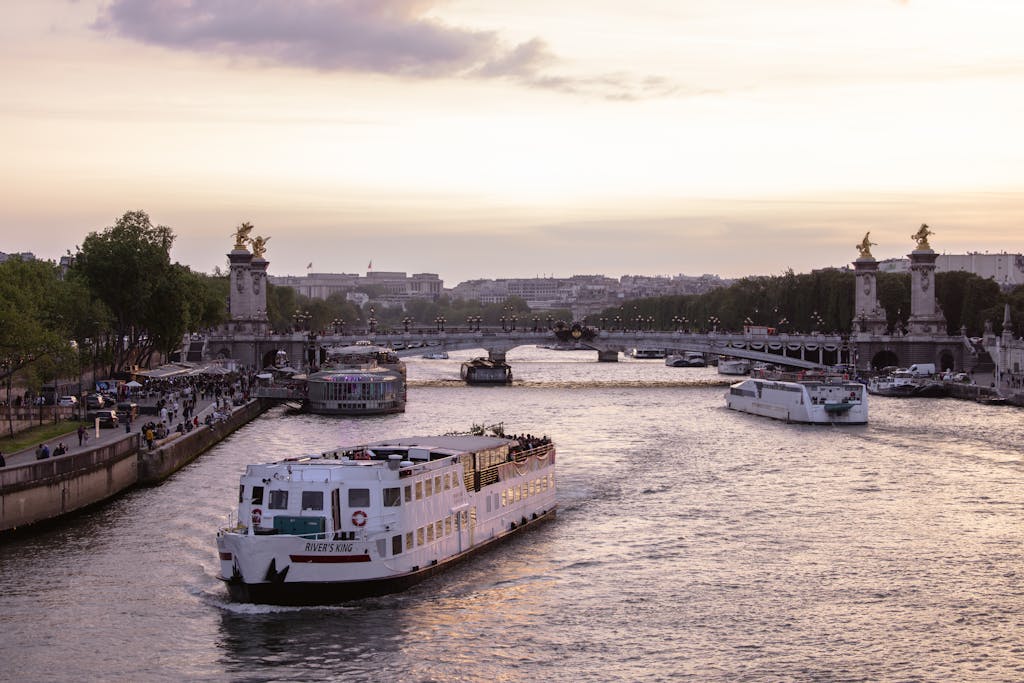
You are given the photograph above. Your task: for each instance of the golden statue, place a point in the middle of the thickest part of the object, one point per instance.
(259, 246)
(922, 237)
(242, 235)
(865, 245)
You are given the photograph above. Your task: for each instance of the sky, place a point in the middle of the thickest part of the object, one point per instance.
(492, 138)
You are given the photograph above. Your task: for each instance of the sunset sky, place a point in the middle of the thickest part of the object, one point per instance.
(490, 138)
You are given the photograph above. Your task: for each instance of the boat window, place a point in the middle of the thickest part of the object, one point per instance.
(396, 545)
(419, 490)
(504, 498)
(428, 485)
(241, 492)
(438, 528)
(278, 500)
(448, 525)
(408, 494)
(437, 483)
(359, 498)
(312, 500)
(430, 533)
(488, 503)
(408, 540)
(392, 497)
(419, 536)
(257, 495)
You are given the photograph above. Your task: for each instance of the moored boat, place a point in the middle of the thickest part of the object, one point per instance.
(686, 359)
(379, 517)
(646, 353)
(362, 379)
(486, 371)
(824, 400)
(733, 366)
(436, 355)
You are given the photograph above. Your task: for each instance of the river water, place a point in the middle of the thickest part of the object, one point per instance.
(692, 543)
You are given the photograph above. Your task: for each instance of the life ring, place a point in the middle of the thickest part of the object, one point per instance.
(257, 516)
(359, 518)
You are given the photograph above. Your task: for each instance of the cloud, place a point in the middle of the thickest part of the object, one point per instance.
(388, 37)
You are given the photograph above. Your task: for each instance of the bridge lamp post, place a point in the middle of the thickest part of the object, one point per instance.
(601, 322)
(817, 321)
(713, 323)
(443, 321)
(551, 322)
(514, 318)
(650, 322)
(617, 324)
(503, 327)
(406, 321)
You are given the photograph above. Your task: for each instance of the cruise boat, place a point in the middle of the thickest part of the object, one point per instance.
(801, 398)
(362, 379)
(377, 518)
(436, 355)
(900, 383)
(686, 359)
(733, 366)
(486, 371)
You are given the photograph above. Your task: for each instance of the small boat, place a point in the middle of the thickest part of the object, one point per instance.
(817, 400)
(733, 366)
(436, 355)
(486, 371)
(362, 379)
(687, 359)
(899, 384)
(377, 518)
(646, 353)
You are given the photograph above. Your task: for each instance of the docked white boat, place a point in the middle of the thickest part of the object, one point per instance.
(644, 353)
(379, 517)
(436, 355)
(362, 379)
(814, 401)
(687, 359)
(733, 366)
(900, 383)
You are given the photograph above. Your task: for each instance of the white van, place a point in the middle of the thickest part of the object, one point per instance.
(922, 369)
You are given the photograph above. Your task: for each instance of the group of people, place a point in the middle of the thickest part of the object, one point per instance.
(43, 451)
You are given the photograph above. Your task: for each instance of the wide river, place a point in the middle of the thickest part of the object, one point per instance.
(692, 543)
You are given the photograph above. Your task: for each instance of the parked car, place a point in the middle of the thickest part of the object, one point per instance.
(94, 401)
(126, 410)
(68, 401)
(107, 418)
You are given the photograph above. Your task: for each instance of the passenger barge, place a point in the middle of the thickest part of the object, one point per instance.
(377, 518)
(362, 379)
(486, 371)
(799, 397)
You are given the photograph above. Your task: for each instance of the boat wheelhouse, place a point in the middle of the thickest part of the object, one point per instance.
(357, 380)
(805, 399)
(380, 517)
(486, 371)
(646, 353)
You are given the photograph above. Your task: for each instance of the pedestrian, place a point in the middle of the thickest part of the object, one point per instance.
(42, 452)
(81, 434)
(3, 463)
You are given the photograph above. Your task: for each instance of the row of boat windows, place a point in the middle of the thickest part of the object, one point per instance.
(314, 500)
(353, 391)
(277, 499)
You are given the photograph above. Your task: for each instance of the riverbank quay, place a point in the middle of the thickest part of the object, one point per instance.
(38, 492)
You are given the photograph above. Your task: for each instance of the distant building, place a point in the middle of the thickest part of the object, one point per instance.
(24, 256)
(1006, 269)
(391, 287)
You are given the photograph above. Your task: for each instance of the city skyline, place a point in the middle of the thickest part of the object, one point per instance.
(505, 141)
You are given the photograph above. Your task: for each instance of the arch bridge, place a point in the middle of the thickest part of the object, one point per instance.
(794, 350)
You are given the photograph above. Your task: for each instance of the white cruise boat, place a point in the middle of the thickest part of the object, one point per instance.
(646, 352)
(379, 517)
(824, 400)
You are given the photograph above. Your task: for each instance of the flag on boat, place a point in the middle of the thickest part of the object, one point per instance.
(370, 265)
(310, 265)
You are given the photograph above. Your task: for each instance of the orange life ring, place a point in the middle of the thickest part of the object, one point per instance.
(359, 518)
(257, 516)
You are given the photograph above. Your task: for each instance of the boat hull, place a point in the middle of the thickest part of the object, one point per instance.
(795, 402)
(297, 593)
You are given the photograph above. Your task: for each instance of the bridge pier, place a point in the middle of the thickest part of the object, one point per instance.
(610, 356)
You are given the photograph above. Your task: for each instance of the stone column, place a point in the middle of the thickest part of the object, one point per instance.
(926, 318)
(868, 316)
(242, 303)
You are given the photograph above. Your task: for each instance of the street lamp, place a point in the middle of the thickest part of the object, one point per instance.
(713, 323)
(406, 321)
(503, 327)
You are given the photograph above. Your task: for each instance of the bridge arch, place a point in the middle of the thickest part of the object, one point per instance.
(884, 359)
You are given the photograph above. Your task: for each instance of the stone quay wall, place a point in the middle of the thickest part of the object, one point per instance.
(49, 489)
(54, 487)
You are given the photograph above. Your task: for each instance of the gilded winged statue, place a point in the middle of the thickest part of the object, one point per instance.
(922, 236)
(865, 245)
(242, 235)
(259, 246)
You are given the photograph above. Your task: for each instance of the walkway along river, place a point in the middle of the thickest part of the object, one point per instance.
(691, 544)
